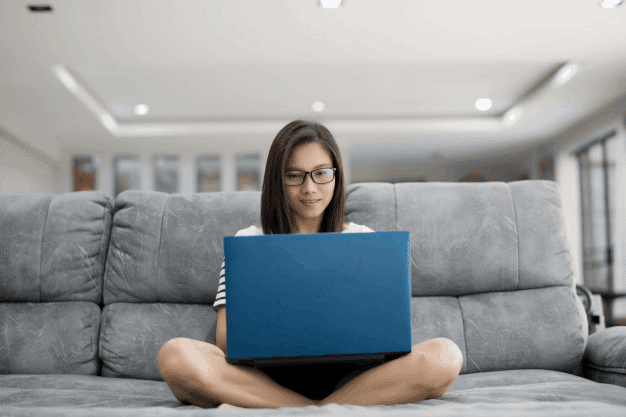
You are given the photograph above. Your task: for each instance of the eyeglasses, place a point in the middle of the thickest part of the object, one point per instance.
(319, 176)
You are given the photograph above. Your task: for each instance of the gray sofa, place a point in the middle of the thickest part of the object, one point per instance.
(92, 286)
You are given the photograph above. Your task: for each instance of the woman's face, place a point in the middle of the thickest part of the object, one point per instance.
(309, 200)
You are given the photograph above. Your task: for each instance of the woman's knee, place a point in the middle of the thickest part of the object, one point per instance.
(440, 361)
(168, 355)
(442, 351)
(189, 367)
(180, 355)
(452, 354)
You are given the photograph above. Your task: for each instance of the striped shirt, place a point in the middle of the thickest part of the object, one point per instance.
(220, 299)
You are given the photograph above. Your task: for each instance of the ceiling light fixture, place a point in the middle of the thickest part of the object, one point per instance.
(609, 4)
(512, 116)
(318, 106)
(141, 109)
(565, 74)
(483, 104)
(331, 4)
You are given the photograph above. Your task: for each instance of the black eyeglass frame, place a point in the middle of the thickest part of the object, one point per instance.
(311, 173)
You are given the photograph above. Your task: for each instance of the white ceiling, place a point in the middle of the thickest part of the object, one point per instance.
(395, 76)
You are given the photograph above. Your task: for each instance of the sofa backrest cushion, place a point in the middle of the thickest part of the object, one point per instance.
(133, 333)
(53, 247)
(469, 238)
(169, 248)
(49, 338)
(52, 257)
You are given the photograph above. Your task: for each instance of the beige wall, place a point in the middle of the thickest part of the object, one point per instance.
(25, 169)
(502, 165)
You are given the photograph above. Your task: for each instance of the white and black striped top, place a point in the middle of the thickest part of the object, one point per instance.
(220, 299)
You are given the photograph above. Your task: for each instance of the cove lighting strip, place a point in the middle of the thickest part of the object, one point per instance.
(108, 121)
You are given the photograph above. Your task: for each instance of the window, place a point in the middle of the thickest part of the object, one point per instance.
(84, 173)
(208, 173)
(165, 169)
(126, 173)
(248, 172)
(598, 182)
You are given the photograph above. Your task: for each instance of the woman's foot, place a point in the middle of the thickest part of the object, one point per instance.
(227, 406)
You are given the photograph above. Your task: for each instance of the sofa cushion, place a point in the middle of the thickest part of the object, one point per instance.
(132, 335)
(505, 393)
(53, 247)
(538, 328)
(505, 330)
(468, 238)
(169, 248)
(80, 392)
(49, 338)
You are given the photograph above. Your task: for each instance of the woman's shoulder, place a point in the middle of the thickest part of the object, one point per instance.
(250, 231)
(357, 228)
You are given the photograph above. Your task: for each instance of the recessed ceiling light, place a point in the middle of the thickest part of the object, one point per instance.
(483, 104)
(331, 4)
(512, 116)
(141, 109)
(566, 73)
(609, 4)
(318, 106)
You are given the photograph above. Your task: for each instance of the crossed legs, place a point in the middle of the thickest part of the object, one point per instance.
(198, 373)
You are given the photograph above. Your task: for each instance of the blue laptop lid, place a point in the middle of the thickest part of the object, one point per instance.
(316, 297)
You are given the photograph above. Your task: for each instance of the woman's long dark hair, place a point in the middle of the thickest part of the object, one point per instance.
(275, 213)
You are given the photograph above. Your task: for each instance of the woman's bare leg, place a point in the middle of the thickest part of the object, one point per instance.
(198, 373)
(425, 373)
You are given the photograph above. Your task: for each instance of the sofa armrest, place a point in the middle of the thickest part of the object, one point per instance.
(604, 360)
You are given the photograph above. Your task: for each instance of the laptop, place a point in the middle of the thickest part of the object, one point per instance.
(317, 298)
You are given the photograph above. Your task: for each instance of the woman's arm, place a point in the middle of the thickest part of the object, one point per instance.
(220, 330)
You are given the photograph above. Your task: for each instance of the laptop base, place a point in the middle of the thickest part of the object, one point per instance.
(316, 359)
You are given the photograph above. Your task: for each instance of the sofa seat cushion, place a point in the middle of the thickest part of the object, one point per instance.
(64, 390)
(511, 393)
(531, 385)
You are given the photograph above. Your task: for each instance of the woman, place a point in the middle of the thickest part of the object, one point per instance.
(303, 192)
